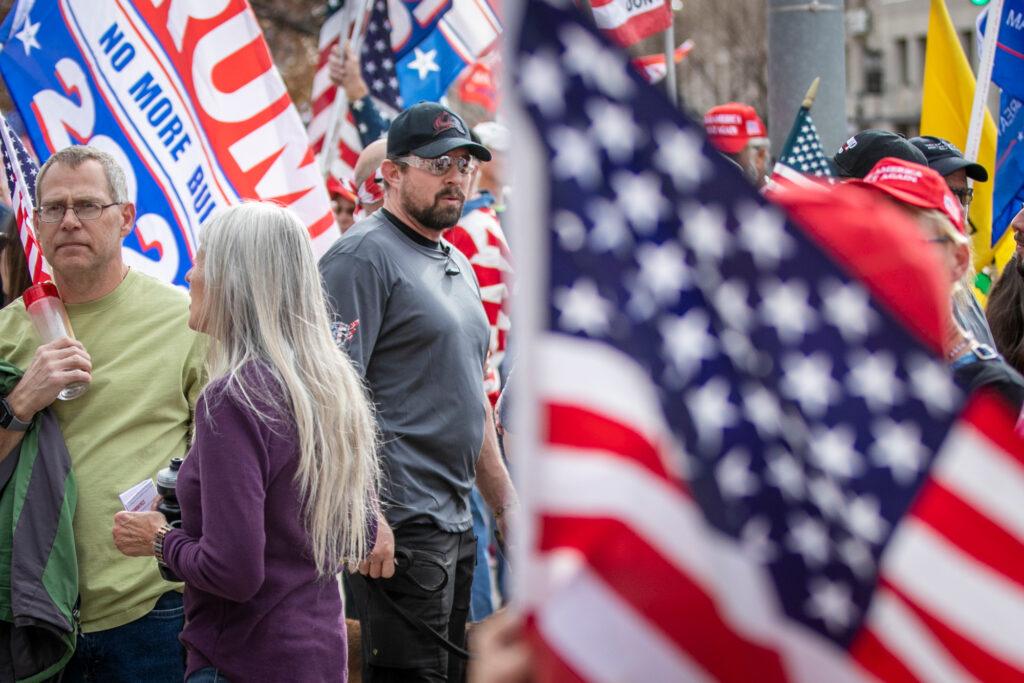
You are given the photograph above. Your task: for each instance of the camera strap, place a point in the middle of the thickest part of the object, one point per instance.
(404, 560)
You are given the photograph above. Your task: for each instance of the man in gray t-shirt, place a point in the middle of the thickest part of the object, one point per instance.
(407, 309)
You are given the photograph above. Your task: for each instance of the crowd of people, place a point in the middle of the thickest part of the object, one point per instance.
(320, 488)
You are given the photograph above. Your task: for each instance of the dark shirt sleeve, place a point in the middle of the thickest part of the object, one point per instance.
(370, 123)
(228, 560)
(358, 296)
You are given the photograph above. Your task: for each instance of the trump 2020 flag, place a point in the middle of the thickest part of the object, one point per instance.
(184, 95)
(737, 464)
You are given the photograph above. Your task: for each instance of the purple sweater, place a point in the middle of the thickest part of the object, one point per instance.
(254, 607)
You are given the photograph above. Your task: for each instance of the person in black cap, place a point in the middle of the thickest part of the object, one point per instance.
(859, 154)
(944, 157)
(407, 309)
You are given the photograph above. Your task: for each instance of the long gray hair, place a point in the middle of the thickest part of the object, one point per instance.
(264, 302)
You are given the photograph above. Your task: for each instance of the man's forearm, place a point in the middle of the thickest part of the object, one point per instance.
(492, 478)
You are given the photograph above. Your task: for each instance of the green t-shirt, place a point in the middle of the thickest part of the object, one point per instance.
(147, 371)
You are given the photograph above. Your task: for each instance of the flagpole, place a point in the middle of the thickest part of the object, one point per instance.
(670, 59)
(588, 11)
(329, 149)
(984, 81)
(812, 92)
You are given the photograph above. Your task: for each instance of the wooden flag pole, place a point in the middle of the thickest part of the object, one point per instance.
(812, 92)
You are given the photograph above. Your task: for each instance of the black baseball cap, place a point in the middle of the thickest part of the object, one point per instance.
(429, 130)
(945, 158)
(859, 154)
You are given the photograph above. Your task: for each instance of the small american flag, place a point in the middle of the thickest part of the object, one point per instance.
(20, 171)
(378, 60)
(342, 161)
(802, 154)
(747, 469)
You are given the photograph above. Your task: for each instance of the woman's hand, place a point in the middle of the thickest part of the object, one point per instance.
(134, 532)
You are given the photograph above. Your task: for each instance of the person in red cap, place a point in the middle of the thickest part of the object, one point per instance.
(343, 202)
(738, 132)
(926, 197)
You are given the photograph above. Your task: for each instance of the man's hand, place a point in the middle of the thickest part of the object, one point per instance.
(134, 532)
(54, 366)
(502, 654)
(344, 70)
(381, 562)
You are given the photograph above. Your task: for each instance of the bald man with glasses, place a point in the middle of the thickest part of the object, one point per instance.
(407, 309)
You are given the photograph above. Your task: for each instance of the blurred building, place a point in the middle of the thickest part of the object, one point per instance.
(885, 48)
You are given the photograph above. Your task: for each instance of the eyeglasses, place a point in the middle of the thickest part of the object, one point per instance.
(440, 166)
(54, 213)
(965, 195)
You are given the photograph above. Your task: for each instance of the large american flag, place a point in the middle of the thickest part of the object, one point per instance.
(747, 469)
(342, 160)
(20, 170)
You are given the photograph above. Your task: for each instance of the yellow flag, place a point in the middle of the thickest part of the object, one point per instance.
(946, 113)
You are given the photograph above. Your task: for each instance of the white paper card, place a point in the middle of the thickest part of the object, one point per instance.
(140, 497)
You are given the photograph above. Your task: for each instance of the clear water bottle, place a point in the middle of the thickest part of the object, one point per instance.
(166, 486)
(46, 310)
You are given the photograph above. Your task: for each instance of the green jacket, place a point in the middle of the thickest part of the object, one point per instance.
(38, 565)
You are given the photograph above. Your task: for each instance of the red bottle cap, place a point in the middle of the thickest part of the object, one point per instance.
(39, 291)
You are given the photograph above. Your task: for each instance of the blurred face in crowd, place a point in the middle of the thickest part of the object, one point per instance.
(77, 246)
(957, 181)
(196, 291)
(343, 211)
(434, 201)
(1017, 225)
(492, 172)
(939, 231)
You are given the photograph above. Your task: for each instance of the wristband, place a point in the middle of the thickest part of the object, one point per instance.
(10, 421)
(158, 544)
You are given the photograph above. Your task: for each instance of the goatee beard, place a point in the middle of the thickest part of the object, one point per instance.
(438, 216)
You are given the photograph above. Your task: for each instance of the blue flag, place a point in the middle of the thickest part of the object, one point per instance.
(1009, 191)
(1008, 74)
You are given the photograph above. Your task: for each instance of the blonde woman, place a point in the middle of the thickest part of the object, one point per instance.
(279, 486)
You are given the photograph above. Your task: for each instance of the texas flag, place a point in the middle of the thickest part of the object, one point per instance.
(630, 21)
(464, 32)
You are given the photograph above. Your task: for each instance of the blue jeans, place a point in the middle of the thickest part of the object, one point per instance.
(207, 675)
(146, 649)
(481, 604)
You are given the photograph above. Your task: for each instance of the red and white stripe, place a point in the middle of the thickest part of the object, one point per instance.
(628, 582)
(951, 603)
(23, 204)
(343, 161)
(630, 21)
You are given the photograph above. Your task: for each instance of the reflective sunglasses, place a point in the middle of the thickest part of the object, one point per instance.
(440, 166)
